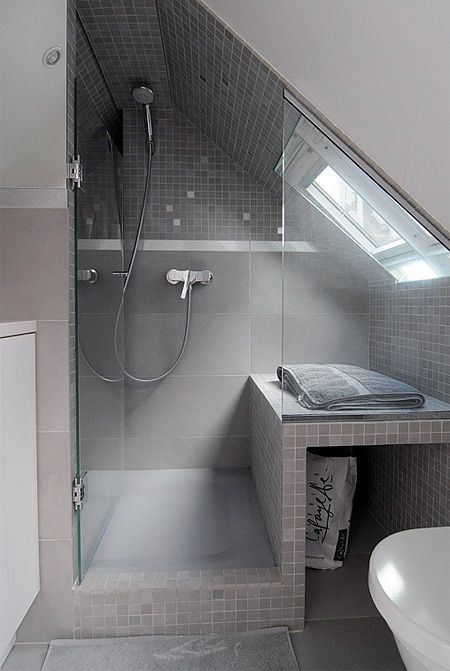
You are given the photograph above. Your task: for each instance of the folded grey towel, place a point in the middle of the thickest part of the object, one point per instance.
(344, 387)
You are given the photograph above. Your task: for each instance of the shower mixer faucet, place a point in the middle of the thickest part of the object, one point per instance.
(188, 277)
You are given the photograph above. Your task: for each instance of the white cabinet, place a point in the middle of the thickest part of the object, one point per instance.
(19, 558)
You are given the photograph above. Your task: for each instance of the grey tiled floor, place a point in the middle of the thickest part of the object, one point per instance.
(344, 631)
(360, 644)
(344, 592)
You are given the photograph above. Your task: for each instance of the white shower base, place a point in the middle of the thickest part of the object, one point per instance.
(185, 519)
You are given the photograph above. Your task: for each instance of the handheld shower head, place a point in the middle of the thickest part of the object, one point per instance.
(144, 95)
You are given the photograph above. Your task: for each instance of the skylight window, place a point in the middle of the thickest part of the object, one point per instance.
(343, 196)
(321, 172)
(411, 272)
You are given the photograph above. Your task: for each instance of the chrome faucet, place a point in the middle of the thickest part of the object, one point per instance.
(188, 277)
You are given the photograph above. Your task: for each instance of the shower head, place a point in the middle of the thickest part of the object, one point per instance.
(143, 94)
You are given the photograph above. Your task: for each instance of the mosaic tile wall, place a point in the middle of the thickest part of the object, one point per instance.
(409, 486)
(91, 79)
(127, 42)
(188, 602)
(197, 191)
(98, 215)
(266, 463)
(223, 87)
(409, 331)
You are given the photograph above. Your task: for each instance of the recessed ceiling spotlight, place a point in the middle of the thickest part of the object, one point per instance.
(52, 56)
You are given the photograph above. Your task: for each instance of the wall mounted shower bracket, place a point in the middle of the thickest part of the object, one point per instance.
(188, 277)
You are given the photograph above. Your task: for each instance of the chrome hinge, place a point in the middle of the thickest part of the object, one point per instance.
(79, 491)
(75, 172)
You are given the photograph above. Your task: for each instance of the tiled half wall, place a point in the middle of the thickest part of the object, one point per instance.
(409, 486)
(232, 600)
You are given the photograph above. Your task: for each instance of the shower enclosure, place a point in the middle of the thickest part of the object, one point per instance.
(163, 346)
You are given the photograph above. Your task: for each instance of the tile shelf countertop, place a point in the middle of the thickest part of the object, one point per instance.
(10, 328)
(291, 411)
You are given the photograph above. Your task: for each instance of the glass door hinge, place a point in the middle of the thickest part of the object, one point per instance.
(79, 491)
(75, 172)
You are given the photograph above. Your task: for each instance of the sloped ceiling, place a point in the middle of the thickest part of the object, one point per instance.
(126, 38)
(211, 77)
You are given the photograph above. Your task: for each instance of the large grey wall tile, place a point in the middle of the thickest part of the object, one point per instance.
(266, 343)
(181, 452)
(96, 340)
(54, 485)
(34, 276)
(149, 290)
(51, 614)
(218, 344)
(317, 282)
(326, 338)
(188, 406)
(99, 454)
(105, 294)
(266, 282)
(101, 409)
(52, 364)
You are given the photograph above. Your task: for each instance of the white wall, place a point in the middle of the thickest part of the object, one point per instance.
(33, 97)
(378, 69)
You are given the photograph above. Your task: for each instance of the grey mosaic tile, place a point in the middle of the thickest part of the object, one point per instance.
(409, 326)
(223, 87)
(126, 38)
(409, 486)
(91, 79)
(197, 191)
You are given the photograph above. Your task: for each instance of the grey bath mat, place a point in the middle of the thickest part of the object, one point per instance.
(264, 650)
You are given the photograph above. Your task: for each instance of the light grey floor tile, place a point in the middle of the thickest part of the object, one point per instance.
(340, 593)
(364, 644)
(365, 532)
(26, 657)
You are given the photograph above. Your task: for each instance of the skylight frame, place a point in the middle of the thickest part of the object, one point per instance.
(371, 172)
(420, 239)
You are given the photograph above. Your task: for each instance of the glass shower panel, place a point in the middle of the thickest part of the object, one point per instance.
(343, 234)
(99, 253)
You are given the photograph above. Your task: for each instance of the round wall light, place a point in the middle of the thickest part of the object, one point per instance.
(52, 57)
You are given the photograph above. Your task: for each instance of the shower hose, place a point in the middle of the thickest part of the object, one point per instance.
(128, 275)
